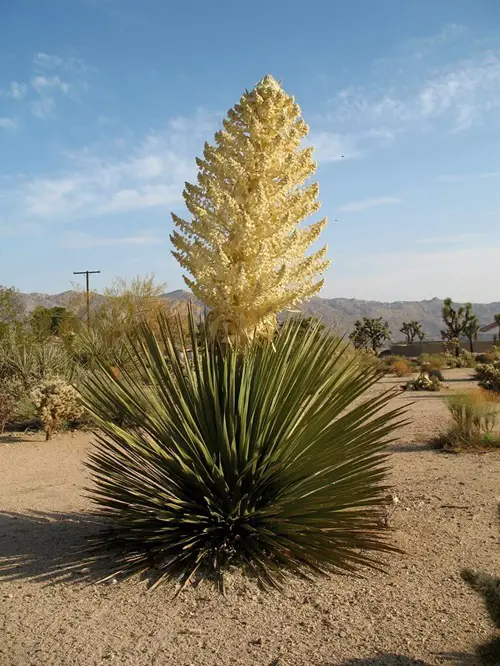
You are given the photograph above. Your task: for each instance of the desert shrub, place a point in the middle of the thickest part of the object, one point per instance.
(33, 363)
(368, 358)
(256, 459)
(489, 376)
(489, 356)
(423, 383)
(483, 358)
(25, 414)
(464, 359)
(488, 587)
(7, 407)
(10, 393)
(402, 368)
(398, 365)
(434, 373)
(56, 402)
(431, 361)
(474, 415)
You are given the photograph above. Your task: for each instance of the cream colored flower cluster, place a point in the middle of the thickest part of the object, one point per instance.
(244, 246)
(56, 401)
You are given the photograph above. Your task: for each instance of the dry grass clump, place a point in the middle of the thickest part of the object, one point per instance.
(399, 366)
(474, 417)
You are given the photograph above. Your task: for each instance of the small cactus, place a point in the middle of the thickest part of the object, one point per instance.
(489, 376)
(56, 401)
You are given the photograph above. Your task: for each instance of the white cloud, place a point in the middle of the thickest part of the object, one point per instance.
(98, 182)
(43, 83)
(467, 274)
(18, 229)
(365, 204)
(149, 196)
(422, 46)
(82, 240)
(43, 108)
(462, 95)
(46, 87)
(451, 240)
(46, 61)
(462, 178)
(17, 90)
(8, 123)
(329, 147)
(104, 120)
(48, 83)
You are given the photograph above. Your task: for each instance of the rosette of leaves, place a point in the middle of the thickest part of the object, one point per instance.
(256, 459)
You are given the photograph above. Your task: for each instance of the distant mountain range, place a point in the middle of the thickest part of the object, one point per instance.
(338, 312)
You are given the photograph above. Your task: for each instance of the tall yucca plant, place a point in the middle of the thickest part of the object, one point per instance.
(264, 459)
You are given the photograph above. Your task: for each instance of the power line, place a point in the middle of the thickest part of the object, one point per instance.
(87, 289)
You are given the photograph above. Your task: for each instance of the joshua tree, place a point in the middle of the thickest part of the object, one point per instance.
(471, 327)
(57, 321)
(411, 330)
(458, 322)
(370, 333)
(497, 321)
(243, 246)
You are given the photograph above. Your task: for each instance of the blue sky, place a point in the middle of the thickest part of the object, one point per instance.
(104, 105)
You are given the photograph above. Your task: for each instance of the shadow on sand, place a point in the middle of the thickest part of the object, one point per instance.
(390, 659)
(410, 447)
(47, 547)
(17, 438)
(385, 660)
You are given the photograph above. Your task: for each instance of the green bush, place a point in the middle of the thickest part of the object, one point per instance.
(25, 415)
(251, 458)
(431, 361)
(10, 393)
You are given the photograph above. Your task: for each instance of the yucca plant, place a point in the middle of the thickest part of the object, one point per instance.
(263, 459)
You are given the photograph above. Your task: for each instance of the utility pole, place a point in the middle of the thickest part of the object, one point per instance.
(87, 289)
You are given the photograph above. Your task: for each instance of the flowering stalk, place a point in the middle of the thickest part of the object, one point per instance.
(244, 246)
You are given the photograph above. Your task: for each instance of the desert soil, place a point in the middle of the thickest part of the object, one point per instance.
(419, 612)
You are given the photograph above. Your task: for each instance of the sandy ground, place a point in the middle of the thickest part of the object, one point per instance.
(418, 613)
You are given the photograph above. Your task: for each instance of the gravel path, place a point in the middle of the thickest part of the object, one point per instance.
(419, 613)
